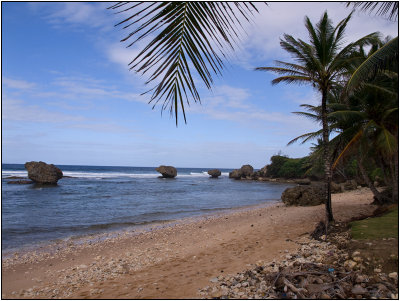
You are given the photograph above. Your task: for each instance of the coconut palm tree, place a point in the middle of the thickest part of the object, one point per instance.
(321, 63)
(184, 36)
(370, 126)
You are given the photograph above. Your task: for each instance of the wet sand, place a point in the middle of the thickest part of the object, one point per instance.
(172, 260)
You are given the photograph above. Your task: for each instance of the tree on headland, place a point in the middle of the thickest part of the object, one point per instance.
(321, 63)
(188, 35)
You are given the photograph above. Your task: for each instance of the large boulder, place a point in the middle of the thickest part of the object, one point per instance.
(167, 171)
(214, 173)
(310, 195)
(235, 174)
(335, 188)
(246, 171)
(43, 173)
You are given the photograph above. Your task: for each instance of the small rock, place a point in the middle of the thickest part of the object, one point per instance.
(393, 275)
(377, 270)
(214, 280)
(358, 290)
(350, 264)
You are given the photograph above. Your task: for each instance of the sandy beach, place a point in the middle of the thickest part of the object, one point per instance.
(171, 260)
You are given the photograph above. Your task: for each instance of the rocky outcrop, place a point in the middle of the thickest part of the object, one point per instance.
(245, 172)
(43, 173)
(167, 171)
(214, 173)
(262, 173)
(235, 174)
(311, 195)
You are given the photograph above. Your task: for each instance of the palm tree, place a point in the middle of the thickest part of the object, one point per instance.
(321, 63)
(370, 122)
(187, 35)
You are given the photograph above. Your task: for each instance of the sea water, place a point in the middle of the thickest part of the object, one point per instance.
(95, 199)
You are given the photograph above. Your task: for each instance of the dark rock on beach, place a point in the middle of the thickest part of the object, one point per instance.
(311, 195)
(43, 173)
(167, 171)
(214, 173)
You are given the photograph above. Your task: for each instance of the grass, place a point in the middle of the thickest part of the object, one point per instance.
(385, 226)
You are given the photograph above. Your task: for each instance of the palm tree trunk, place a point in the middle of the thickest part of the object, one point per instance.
(368, 181)
(396, 177)
(327, 162)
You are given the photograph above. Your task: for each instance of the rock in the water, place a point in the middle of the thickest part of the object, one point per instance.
(214, 173)
(43, 173)
(246, 171)
(235, 174)
(311, 195)
(167, 171)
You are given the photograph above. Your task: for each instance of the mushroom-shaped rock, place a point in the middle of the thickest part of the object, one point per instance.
(167, 171)
(235, 174)
(43, 173)
(247, 170)
(310, 195)
(214, 173)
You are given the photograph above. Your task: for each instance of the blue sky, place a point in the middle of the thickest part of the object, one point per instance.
(69, 98)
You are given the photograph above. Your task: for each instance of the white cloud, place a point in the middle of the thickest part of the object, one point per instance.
(78, 15)
(18, 110)
(17, 84)
(262, 42)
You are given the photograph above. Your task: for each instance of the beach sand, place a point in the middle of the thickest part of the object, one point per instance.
(171, 261)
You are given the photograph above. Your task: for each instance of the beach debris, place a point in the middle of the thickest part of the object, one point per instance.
(318, 270)
(167, 171)
(214, 173)
(43, 173)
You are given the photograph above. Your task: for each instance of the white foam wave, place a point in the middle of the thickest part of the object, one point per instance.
(102, 175)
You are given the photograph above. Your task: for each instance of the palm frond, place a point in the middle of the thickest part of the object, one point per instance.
(374, 63)
(347, 147)
(306, 137)
(388, 9)
(188, 36)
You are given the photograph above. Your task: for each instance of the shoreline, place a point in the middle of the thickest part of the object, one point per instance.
(49, 246)
(172, 261)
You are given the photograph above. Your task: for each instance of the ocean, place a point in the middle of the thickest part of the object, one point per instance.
(95, 199)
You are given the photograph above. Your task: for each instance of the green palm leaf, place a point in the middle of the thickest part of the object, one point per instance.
(188, 36)
(374, 63)
(390, 9)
